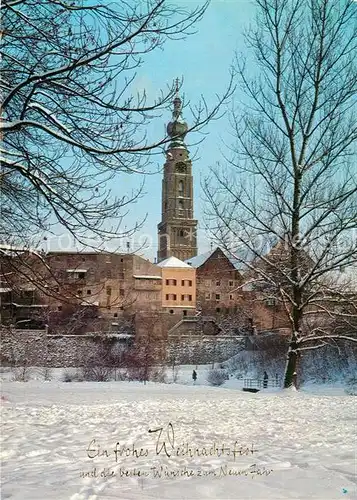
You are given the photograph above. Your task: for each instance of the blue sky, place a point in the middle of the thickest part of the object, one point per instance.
(203, 61)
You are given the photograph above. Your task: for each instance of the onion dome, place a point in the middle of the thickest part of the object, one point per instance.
(177, 128)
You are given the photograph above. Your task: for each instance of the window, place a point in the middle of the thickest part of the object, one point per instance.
(231, 296)
(59, 308)
(89, 292)
(182, 297)
(167, 282)
(218, 296)
(190, 298)
(189, 282)
(174, 296)
(208, 282)
(79, 293)
(180, 187)
(171, 311)
(218, 309)
(270, 301)
(109, 290)
(184, 313)
(109, 273)
(121, 260)
(207, 296)
(182, 282)
(171, 296)
(167, 296)
(81, 276)
(115, 315)
(121, 292)
(218, 283)
(56, 289)
(231, 283)
(181, 233)
(171, 282)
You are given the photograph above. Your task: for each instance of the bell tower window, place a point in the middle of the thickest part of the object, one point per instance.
(181, 208)
(180, 187)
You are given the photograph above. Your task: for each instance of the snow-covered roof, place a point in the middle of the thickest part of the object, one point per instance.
(77, 270)
(237, 261)
(173, 262)
(144, 277)
(5, 290)
(29, 305)
(199, 260)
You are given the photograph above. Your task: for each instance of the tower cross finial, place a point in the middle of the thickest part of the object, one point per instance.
(177, 86)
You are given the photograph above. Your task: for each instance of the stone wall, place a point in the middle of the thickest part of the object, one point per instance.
(36, 348)
(203, 350)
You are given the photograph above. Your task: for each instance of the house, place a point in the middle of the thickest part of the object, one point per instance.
(218, 279)
(178, 287)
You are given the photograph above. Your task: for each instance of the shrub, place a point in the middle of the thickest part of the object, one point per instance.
(351, 386)
(46, 373)
(97, 373)
(21, 374)
(216, 377)
(72, 376)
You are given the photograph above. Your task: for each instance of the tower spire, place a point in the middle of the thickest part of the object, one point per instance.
(177, 229)
(177, 128)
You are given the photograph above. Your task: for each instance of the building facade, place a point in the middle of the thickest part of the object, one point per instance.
(224, 290)
(100, 288)
(218, 282)
(177, 229)
(178, 287)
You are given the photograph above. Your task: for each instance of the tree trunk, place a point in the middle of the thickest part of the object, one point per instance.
(292, 364)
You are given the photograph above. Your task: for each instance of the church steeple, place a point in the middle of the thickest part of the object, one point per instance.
(177, 128)
(177, 229)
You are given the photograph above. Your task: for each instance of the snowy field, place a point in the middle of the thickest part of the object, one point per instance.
(90, 441)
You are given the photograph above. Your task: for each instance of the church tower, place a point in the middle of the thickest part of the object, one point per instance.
(177, 229)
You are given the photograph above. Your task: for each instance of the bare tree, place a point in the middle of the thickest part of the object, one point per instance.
(291, 184)
(147, 359)
(72, 119)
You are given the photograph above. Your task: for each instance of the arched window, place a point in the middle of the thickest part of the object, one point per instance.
(180, 187)
(181, 233)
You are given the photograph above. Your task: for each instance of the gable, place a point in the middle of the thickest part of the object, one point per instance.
(217, 262)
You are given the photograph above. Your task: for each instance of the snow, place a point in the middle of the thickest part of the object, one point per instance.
(147, 277)
(200, 259)
(173, 262)
(237, 258)
(288, 445)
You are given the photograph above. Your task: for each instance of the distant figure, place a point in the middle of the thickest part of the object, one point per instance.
(265, 380)
(194, 376)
